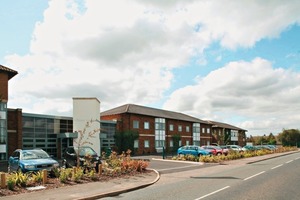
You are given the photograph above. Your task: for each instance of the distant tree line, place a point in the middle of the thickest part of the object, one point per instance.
(289, 137)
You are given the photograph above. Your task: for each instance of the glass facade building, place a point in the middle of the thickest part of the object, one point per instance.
(43, 131)
(3, 131)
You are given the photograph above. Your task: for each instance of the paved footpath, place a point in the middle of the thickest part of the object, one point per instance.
(116, 186)
(93, 190)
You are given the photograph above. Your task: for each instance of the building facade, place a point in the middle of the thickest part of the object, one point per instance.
(157, 127)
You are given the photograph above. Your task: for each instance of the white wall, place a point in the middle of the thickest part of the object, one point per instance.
(87, 110)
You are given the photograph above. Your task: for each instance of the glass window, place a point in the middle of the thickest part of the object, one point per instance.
(208, 130)
(179, 128)
(171, 127)
(203, 130)
(135, 124)
(187, 129)
(146, 144)
(171, 143)
(146, 125)
(187, 142)
(136, 143)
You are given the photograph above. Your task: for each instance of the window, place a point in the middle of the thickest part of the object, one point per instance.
(146, 125)
(136, 144)
(203, 130)
(146, 143)
(135, 124)
(187, 142)
(171, 143)
(171, 127)
(196, 133)
(180, 143)
(187, 129)
(160, 134)
(208, 130)
(179, 128)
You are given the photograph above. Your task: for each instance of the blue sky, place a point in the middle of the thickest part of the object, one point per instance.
(236, 62)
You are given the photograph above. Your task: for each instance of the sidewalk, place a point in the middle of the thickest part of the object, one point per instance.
(116, 186)
(93, 190)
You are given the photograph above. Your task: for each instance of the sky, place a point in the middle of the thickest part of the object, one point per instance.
(236, 62)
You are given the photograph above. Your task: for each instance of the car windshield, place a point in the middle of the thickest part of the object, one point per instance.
(34, 154)
(83, 151)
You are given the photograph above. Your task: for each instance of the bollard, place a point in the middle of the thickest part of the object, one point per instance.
(3, 180)
(45, 175)
(100, 169)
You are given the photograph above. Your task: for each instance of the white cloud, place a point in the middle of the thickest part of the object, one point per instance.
(125, 51)
(252, 90)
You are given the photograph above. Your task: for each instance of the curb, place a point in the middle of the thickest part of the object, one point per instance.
(117, 192)
(275, 156)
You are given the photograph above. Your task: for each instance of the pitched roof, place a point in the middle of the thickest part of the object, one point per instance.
(11, 73)
(142, 110)
(224, 125)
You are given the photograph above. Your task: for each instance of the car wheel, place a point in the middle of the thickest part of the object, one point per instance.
(199, 155)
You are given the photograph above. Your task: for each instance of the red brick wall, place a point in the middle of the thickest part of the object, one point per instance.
(14, 129)
(4, 86)
(125, 122)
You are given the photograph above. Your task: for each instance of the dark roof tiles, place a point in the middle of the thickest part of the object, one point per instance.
(142, 110)
(11, 73)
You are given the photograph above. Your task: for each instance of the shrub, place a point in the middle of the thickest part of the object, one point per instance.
(22, 178)
(37, 177)
(11, 181)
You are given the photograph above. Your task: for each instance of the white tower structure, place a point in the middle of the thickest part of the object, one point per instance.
(86, 115)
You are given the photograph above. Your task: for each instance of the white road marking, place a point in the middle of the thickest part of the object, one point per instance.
(297, 158)
(276, 166)
(254, 175)
(160, 170)
(213, 192)
(289, 161)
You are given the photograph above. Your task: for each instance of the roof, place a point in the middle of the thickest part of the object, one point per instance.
(142, 110)
(11, 73)
(224, 125)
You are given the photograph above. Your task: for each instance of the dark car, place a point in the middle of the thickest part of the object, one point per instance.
(86, 156)
(192, 150)
(31, 160)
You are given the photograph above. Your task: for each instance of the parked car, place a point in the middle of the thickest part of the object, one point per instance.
(235, 148)
(86, 155)
(249, 148)
(192, 150)
(31, 160)
(225, 149)
(215, 150)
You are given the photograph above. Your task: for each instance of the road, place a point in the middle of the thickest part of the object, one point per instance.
(276, 178)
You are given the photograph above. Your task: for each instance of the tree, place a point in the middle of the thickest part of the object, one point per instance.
(290, 137)
(84, 137)
(176, 138)
(125, 140)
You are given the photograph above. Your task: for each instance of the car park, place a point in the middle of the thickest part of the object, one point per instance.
(225, 149)
(192, 150)
(31, 160)
(215, 150)
(249, 148)
(236, 148)
(85, 155)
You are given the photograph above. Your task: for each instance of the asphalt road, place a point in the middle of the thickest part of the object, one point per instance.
(277, 178)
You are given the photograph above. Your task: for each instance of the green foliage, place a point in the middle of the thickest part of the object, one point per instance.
(11, 181)
(290, 137)
(77, 174)
(176, 138)
(22, 178)
(125, 140)
(37, 177)
(56, 171)
(65, 175)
